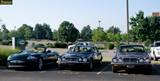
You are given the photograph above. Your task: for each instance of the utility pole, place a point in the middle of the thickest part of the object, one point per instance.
(127, 13)
(99, 22)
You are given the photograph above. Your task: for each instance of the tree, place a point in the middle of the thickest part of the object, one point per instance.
(48, 31)
(86, 33)
(98, 35)
(144, 28)
(68, 32)
(55, 35)
(5, 32)
(25, 31)
(39, 32)
(114, 30)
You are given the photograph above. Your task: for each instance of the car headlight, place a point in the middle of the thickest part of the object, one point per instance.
(80, 59)
(120, 60)
(84, 59)
(114, 60)
(141, 60)
(31, 58)
(147, 60)
(63, 59)
(9, 58)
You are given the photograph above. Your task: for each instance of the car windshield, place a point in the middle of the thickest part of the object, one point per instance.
(157, 44)
(132, 49)
(81, 49)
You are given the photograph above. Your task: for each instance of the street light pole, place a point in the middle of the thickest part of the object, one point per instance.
(99, 22)
(127, 12)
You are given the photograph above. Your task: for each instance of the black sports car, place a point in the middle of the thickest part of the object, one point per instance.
(80, 56)
(32, 59)
(131, 57)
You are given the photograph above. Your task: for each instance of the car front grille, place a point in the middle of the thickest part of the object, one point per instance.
(71, 59)
(130, 60)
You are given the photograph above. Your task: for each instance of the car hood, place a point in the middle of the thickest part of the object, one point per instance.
(21, 56)
(76, 55)
(132, 55)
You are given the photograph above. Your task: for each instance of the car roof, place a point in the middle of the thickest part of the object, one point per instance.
(84, 46)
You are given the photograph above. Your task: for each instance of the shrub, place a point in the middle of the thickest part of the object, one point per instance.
(4, 53)
(147, 43)
(50, 45)
(60, 45)
(110, 46)
(39, 46)
(6, 42)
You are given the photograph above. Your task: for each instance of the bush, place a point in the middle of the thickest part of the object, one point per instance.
(6, 42)
(50, 45)
(60, 45)
(147, 43)
(4, 53)
(39, 46)
(110, 46)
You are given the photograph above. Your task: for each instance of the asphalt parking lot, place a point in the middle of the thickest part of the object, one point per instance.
(100, 73)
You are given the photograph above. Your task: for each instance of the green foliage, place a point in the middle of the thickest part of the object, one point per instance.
(147, 43)
(110, 46)
(4, 53)
(67, 32)
(43, 31)
(144, 28)
(114, 30)
(5, 32)
(98, 35)
(6, 42)
(25, 32)
(60, 45)
(86, 33)
(50, 45)
(55, 35)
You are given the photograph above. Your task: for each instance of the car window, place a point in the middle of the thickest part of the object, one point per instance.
(81, 49)
(132, 49)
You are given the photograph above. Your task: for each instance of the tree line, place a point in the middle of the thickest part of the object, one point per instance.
(142, 29)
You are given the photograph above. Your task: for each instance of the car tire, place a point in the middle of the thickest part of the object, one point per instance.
(155, 59)
(40, 64)
(114, 70)
(90, 66)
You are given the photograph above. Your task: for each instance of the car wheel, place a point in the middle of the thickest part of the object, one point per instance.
(40, 64)
(91, 66)
(114, 69)
(155, 59)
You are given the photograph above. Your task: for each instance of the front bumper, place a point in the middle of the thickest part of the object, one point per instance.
(21, 64)
(132, 65)
(72, 63)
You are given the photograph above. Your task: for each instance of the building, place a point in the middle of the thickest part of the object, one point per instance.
(156, 14)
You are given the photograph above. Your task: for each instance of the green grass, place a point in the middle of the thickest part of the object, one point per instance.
(108, 59)
(5, 51)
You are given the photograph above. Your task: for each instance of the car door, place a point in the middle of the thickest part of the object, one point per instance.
(52, 57)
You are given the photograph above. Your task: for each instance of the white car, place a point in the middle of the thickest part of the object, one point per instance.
(81, 43)
(155, 51)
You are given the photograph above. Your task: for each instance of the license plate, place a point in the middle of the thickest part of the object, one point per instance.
(130, 66)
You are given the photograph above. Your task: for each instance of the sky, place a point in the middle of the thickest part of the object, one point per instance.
(78, 12)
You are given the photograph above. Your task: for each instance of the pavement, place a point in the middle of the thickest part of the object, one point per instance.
(100, 73)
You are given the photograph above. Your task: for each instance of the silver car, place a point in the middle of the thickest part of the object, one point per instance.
(131, 57)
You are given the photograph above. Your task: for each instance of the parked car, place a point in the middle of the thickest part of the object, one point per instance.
(81, 43)
(131, 57)
(155, 51)
(31, 59)
(79, 56)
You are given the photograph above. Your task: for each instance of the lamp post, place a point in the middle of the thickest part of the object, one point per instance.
(127, 13)
(99, 22)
